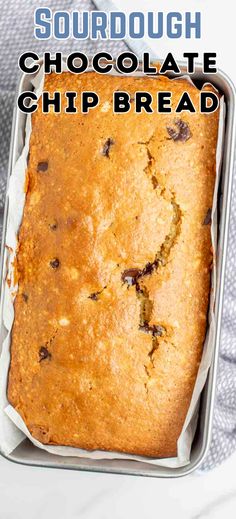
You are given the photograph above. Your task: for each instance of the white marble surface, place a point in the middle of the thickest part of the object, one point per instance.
(35, 493)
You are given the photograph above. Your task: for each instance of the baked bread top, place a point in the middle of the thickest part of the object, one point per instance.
(114, 268)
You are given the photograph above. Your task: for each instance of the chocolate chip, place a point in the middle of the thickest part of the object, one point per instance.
(155, 330)
(139, 290)
(106, 148)
(44, 354)
(149, 268)
(94, 296)
(181, 132)
(42, 166)
(207, 218)
(53, 226)
(25, 297)
(55, 263)
(144, 327)
(130, 276)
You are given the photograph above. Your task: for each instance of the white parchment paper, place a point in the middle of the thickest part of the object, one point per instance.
(12, 428)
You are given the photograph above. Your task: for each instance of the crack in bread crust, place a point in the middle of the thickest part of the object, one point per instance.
(160, 261)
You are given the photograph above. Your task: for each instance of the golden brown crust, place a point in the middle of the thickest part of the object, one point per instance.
(96, 363)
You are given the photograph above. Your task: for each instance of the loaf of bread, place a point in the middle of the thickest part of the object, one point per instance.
(113, 266)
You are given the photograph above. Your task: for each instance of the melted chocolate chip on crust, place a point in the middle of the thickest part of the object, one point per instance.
(181, 132)
(42, 166)
(207, 218)
(106, 148)
(155, 330)
(25, 297)
(138, 288)
(94, 296)
(55, 263)
(44, 354)
(131, 276)
(53, 226)
(149, 268)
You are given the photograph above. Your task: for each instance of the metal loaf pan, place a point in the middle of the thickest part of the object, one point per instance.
(26, 452)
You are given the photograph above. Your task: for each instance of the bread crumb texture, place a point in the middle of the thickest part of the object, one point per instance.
(114, 268)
